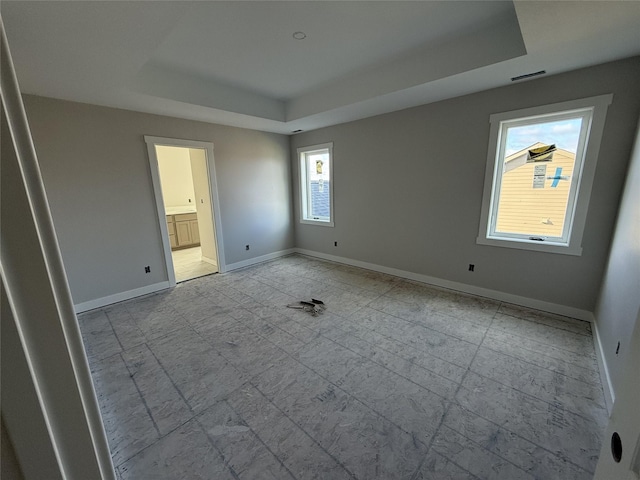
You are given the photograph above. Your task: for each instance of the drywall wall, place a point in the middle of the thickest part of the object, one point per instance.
(408, 189)
(20, 405)
(619, 300)
(625, 419)
(176, 179)
(97, 176)
(47, 399)
(9, 466)
(206, 225)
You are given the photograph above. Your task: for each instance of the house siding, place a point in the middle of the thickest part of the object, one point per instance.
(320, 199)
(526, 210)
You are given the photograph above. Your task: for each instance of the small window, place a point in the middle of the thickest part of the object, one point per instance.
(316, 184)
(540, 169)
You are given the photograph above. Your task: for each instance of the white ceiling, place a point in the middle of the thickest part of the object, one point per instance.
(237, 62)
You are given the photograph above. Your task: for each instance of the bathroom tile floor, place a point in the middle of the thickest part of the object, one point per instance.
(218, 379)
(188, 264)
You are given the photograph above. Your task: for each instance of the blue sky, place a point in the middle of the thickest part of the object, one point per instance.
(563, 133)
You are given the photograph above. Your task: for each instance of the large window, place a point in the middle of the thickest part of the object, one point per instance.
(539, 174)
(316, 184)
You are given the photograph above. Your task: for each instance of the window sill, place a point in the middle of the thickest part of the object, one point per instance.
(546, 247)
(320, 223)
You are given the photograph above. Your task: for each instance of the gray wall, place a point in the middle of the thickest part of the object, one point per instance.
(9, 466)
(619, 301)
(96, 172)
(408, 188)
(47, 400)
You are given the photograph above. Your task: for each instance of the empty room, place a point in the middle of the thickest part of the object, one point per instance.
(320, 240)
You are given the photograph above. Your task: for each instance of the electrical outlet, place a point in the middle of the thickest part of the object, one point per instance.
(246, 247)
(147, 269)
(472, 267)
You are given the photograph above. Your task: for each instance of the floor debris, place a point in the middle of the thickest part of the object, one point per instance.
(314, 307)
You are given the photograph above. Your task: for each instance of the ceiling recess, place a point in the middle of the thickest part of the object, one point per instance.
(381, 54)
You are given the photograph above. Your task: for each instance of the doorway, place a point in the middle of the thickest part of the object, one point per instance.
(183, 174)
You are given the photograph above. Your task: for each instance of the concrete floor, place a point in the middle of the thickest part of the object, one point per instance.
(217, 379)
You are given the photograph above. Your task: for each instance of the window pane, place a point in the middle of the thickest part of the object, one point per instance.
(538, 164)
(319, 185)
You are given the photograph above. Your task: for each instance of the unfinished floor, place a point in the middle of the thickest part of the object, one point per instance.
(217, 379)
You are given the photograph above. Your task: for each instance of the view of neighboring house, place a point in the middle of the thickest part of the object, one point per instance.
(533, 196)
(320, 198)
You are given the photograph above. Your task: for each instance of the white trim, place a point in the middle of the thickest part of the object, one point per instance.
(177, 142)
(70, 359)
(260, 259)
(605, 377)
(597, 101)
(162, 214)
(580, 202)
(209, 260)
(156, 287)
(460, 287)
(152, 142)
(521, 244)
(120, 297)
(558, 309)
(31, 363)
(303, 184)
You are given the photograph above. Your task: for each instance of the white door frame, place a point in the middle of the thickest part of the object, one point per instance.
(152, 142)
(625, 420)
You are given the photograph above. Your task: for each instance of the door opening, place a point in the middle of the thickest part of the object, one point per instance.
(183, 175)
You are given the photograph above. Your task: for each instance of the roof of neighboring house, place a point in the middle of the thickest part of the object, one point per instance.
(519, 158)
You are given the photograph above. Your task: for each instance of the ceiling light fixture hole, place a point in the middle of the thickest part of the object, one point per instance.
(299, 35)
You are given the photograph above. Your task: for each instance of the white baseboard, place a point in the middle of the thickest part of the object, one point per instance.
(605, 377)
(260, 259)
(572, 312)
(460, 287)
(120, 297)
(209, 260)
(495, 295)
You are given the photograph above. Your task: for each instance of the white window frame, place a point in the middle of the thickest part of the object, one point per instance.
(584, 171)
(304, 192)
